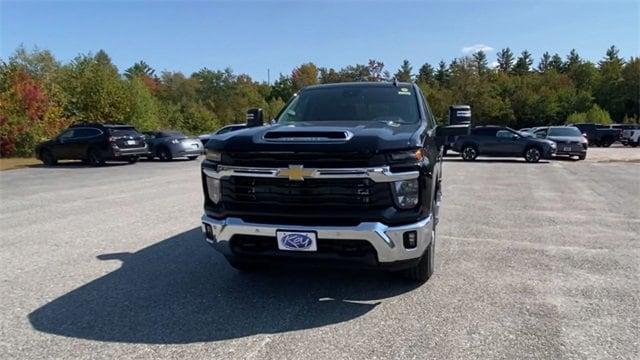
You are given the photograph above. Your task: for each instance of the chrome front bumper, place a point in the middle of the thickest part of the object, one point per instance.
(386, 240)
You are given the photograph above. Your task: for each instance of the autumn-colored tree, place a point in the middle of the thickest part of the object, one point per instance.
(304, 75)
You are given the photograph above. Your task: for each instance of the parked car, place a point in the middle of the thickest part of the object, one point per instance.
(599, 135)
(630, 134)
(503, 142)
(171, 144)
(349, 175)
(94, 144)
(229, 128)
(569, 140)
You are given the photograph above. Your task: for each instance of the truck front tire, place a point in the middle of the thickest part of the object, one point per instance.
(423, 270)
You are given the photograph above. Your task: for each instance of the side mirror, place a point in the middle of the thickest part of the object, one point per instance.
(255, 117)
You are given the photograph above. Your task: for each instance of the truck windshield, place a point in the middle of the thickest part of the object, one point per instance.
(353, 103)
(564, 131)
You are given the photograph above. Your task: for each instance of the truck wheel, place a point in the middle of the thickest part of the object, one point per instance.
(422, 271)
(469, 153)
(48, 158)
(532, 155)
(606, 143)
(164, 154)
(95, 158)
(582, 157)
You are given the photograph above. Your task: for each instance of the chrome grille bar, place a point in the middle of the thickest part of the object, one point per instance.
(376, 174)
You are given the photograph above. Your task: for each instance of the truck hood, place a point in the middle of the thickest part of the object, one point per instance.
(321, 136)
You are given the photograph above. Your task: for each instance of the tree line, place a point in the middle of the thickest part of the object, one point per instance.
(39, 95)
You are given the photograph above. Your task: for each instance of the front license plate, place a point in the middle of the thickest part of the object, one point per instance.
(131, 142)
(566, 148)
(297, 241)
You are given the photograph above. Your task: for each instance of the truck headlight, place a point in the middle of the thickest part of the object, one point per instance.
(406, 193)
(406, 155)
(214, 155)
(213, 188)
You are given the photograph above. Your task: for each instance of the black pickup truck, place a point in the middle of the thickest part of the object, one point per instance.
(346, 174)
(599, 135)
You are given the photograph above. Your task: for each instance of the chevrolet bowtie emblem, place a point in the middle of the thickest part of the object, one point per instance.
(296, 172)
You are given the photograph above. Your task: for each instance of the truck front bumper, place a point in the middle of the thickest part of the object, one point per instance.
(387, 241)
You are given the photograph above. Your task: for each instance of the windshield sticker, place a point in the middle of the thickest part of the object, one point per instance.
(404, 91)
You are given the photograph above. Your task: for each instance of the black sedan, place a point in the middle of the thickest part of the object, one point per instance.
(569, 140)
(169, 144)
(502, 142)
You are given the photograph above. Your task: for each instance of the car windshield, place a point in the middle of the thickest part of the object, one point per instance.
(353, 103)
(564, 131)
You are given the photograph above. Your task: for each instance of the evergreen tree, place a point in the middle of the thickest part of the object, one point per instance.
(545, 62)
(442, 74)
(426, 74)
(404, 73)
(480, 62)
(139, 69)
(523, 64)
(556, 63)
(505, 60)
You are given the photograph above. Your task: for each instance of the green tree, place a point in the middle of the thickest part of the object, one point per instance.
(556, 63)
(545, 62)
(426, 74)
(631, 88)
(505, 60)
(573, 60)
(139, 69)
(523, 64)
(610, 89)
(480, 62)
(442, 74)
(95, 90)
(143, 109)
(404, 72)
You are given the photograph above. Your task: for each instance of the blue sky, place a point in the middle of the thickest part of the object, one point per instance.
(251, 37)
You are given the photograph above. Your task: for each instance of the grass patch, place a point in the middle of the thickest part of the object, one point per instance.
(16, 163)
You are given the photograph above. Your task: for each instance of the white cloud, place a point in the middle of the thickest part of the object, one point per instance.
(493, 65)
(475, 48)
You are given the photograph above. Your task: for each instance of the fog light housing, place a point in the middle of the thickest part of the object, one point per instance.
(410, 239)
(213, 189)
(406, 193)
(208, 230)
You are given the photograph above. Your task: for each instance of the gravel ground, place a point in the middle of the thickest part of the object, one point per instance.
(533, 261)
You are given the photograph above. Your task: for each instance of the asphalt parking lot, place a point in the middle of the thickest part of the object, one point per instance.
(533, 261)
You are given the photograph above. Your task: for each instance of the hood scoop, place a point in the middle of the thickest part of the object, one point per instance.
(308, 136)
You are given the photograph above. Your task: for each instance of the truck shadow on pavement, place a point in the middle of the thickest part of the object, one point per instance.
(180, 291)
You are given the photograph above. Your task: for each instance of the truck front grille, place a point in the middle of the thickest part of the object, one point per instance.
(312, 195)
